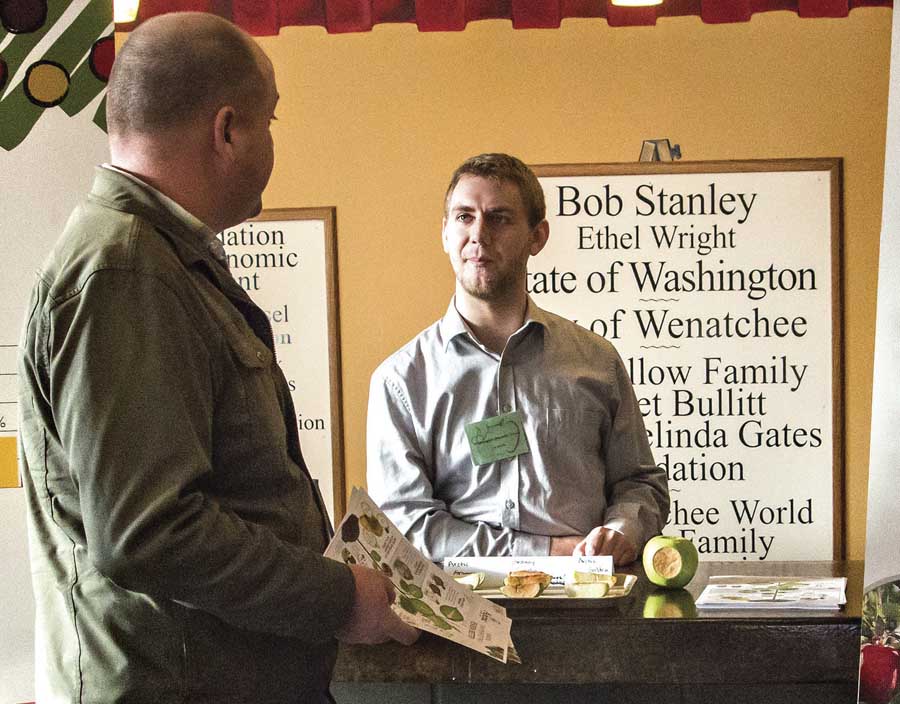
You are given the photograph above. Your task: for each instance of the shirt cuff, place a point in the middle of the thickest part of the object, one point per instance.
(629, 530)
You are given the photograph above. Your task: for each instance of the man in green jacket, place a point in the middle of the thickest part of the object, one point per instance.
(176, 533)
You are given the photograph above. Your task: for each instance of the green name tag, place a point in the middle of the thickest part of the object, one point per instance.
(497, 438)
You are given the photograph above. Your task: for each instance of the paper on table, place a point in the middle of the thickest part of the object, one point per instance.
(745, 592)
(427, 597)
(560, 567)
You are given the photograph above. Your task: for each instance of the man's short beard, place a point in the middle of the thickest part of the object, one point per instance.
(495, 290)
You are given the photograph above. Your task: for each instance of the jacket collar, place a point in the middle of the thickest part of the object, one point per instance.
(189, 236)
(126, 192)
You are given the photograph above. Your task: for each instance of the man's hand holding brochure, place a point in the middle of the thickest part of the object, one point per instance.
(426, 596)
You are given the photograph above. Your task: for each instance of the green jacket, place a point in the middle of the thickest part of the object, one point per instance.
(176, 535)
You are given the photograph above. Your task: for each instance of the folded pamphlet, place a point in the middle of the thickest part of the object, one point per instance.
(427, 597)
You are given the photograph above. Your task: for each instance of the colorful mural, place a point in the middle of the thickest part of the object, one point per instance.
(53, 53)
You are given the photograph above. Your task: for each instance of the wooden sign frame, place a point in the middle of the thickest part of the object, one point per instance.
(327, 298)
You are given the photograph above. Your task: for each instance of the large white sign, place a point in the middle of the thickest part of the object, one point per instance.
(718, 284)
(285, 260)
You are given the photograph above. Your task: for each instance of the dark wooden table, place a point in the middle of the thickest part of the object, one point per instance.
(651, 643)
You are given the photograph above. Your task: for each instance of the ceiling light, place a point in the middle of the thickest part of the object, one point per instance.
(125, 11)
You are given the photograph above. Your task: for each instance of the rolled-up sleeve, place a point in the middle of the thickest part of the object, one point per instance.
(636, 488)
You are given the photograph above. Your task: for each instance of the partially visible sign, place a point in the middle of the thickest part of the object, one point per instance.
(719, 284)
(286, 261)
(9, 475)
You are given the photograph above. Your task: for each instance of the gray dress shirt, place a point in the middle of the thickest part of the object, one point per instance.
(589, 462)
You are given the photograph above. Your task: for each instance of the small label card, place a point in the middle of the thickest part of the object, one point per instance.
(498, 438)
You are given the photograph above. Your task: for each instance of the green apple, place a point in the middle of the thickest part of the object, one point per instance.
(670, 603)
(670, 561)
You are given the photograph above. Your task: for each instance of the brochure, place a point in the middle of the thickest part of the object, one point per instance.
(744, 592)
(427, 597)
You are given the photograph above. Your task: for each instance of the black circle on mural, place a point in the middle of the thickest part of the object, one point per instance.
(23, 16)
(46, 83)
(4, 71)
(103, 53)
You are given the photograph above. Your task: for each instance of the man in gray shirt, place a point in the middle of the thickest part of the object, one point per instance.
(503, 429)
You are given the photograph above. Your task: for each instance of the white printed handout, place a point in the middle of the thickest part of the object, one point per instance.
(427, 597)
(742, 592)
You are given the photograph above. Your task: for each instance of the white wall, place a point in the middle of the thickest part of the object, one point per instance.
(40, 182)
(883, 523)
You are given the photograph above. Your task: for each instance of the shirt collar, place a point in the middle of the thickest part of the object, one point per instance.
(453, 325)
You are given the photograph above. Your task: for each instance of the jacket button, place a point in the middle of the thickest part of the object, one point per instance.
(510, 504)
(259, 355)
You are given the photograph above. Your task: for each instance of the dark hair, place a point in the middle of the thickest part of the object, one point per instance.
(174, 67)
(503, 167)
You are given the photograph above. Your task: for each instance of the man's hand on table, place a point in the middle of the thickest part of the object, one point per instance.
(371, 618)
(606, 541)
(564, 544)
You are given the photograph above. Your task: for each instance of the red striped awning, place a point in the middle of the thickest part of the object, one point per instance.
(266, 17)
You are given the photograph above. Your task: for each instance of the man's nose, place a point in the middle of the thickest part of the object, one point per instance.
(480, 232)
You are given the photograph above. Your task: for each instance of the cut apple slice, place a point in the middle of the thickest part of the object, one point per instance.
(590, 590)
(472, 580)
(591, 577)
(522, 591)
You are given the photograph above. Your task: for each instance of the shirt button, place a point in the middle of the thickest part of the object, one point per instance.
(507, 408)
(510, 504)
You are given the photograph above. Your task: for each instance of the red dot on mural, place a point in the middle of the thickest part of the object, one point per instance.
(103, 53)
(23, 16)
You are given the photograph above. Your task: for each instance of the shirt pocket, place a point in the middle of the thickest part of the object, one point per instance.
(575, 431)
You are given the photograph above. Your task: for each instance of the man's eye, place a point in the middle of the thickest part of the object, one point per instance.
(464, 217)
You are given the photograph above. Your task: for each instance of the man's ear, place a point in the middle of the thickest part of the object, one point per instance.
(444, 235)
(223, 131)
(539, 236)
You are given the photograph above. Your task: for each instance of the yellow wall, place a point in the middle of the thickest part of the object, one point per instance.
(374, 123)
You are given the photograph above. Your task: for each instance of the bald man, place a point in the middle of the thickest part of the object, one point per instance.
(177, 536)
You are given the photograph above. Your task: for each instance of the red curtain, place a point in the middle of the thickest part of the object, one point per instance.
(262, 17)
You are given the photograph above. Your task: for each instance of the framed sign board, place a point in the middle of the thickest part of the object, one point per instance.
(286, 260)
(720, 285)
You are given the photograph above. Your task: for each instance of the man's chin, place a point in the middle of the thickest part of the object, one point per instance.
(487, 291)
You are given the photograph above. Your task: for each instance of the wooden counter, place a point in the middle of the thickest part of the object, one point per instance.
(734, 656)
